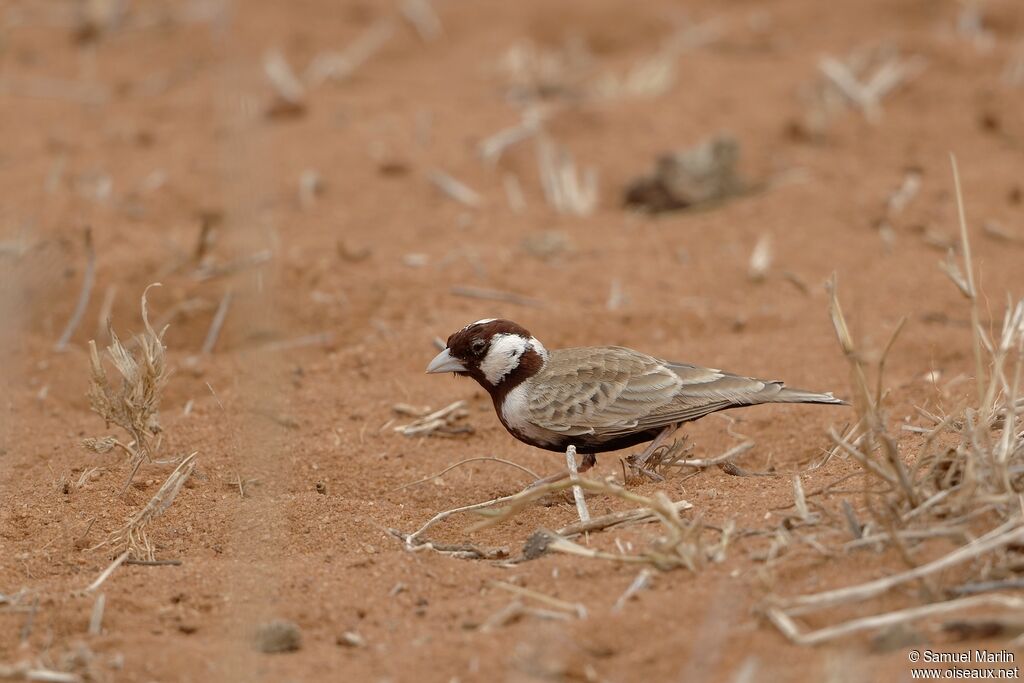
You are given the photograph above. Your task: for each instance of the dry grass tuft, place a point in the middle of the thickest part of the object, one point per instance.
(572, 72)
(965, 484)
(534, 73)
(132, 536)
(567, 188)
(446, 422)
(134, 405)
(862, 80)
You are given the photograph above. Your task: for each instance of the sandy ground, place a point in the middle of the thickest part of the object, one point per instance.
(157, 121)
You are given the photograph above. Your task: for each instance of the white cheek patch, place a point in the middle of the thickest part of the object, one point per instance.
(539, 348)
(503, 356)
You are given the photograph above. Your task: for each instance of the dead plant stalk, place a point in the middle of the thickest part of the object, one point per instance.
(134, 406)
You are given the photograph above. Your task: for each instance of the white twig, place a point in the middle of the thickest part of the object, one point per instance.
(800, 500)
(1001, 536)
(906, 192)
(96, 620)
(410, 540)
(616, 295)
(423, 17)
(639, 583)
(55, 89)
(26, 673)
(338, 66)
(107, 305)
(286, 84)
(464, 462)
(760, 258)
(310, 187)
(791, 630)
(728, 455)
(216, 324)
(496, 295)
(426, 424)
(1013, 72)
(576, 608)
(866, 94)
(88, 281)
(318, 339)
(577, 492)
(514, 193)
(567, 189)
(491, 148)
(107, 572)
(845, 81)
(454, 188)
(206, 272)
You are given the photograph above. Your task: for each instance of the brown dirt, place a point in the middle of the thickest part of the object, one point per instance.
(179, 132)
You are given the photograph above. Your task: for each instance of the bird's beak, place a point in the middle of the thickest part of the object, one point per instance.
(445, 362)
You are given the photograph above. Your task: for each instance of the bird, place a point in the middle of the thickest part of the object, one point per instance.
(596, 398)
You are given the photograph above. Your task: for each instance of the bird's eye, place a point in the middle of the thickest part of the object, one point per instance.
(478, 346)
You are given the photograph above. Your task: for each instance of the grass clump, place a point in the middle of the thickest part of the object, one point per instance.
(965, 484)
(133, 405)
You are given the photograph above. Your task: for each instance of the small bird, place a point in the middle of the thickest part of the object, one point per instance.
(597, 398)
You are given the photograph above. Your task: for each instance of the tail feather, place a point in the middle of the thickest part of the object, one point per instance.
(787, 395)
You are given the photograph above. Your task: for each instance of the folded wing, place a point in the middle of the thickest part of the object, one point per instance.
(613, 391)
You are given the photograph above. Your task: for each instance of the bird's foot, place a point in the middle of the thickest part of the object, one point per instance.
(638, 462)
(638, 470)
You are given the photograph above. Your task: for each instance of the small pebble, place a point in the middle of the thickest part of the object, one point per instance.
(350, 639)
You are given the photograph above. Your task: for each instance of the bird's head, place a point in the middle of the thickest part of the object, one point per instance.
(496, 353)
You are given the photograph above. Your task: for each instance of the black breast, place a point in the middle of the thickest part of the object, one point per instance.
(588, 443)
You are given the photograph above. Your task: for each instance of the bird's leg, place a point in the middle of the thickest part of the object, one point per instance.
(656, 443)
(639, 462)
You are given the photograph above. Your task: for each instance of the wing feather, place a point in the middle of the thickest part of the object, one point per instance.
(611, 391)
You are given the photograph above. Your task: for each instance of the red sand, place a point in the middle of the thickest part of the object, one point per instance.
(179, 131)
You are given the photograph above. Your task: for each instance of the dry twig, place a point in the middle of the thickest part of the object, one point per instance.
(792, 631)
(88, 280)
(496, 295)
(339, 66)
(566, 188)
(639, 583)
(577, 492)
(217, 323)
(454, 188)
(290, 92)
(133, 535)
(465, 462)
(423, 17)
(443, 422)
